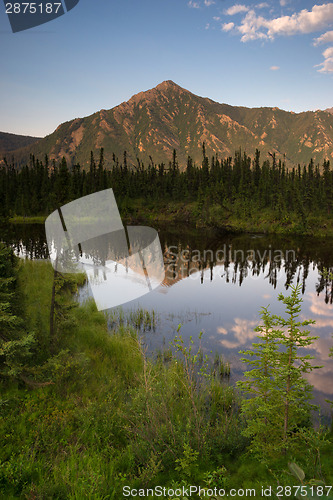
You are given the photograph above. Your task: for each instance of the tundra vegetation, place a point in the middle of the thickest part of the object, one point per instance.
(84, 411)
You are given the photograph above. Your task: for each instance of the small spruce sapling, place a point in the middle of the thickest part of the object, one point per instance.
(280, 394)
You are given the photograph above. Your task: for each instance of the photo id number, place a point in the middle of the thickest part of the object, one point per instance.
(32, 8)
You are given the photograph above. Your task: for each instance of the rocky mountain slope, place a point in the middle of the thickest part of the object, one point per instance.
(11, 142)
(168, 117)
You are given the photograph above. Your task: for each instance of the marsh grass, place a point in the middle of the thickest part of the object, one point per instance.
(141, 320)
(221, 368)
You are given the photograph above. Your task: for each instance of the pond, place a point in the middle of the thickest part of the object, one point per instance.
(217, 284)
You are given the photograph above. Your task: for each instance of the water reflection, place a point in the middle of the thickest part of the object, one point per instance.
(248, 256)
(188, 252)
(27, 240)
(218, 283)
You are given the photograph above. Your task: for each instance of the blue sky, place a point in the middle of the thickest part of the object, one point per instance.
(272, 53)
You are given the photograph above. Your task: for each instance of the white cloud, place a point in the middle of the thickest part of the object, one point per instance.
(305, 21)
(208, 3)
(325, 38)
(327, 65)
(207, 26)
(328, 53)
(236, 9)
(217, 18)
(274, 68)
(257, 27)
(193, 5)
(227, 26)
(250, 26)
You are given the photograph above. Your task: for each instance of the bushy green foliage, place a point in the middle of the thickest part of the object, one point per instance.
(16, 344)
(280, 402)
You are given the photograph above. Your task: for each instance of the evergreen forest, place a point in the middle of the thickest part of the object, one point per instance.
(236, 193)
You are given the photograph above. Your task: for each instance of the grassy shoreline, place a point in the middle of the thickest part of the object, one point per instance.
(31, 219)
(213, 216)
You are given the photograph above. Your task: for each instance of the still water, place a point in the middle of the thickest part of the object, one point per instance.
(217, 284)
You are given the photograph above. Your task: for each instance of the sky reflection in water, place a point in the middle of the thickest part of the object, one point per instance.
(223, 297)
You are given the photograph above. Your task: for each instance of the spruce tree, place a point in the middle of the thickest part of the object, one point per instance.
(279, 394)
(15, 344)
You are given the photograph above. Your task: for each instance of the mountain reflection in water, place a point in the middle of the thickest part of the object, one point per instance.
(218, 283)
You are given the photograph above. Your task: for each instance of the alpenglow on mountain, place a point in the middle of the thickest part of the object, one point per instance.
(167, 117)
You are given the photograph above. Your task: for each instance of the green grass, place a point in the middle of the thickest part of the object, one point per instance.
(112, 417)
(214, 215)
(31, 219)
(267, 221)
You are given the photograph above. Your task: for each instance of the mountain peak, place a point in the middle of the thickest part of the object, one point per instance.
(157, 121)
(154, 93)
(167, 84)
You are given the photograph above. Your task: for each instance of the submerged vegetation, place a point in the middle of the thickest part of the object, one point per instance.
(239, 193)
(140, 319)
(85, 412)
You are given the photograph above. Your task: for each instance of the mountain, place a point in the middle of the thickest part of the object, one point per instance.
(168, 117)
(329, 110)
(11, 142)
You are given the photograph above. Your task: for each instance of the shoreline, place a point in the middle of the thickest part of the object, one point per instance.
(216, 217)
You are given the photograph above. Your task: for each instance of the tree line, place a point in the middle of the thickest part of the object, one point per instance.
(240, 184)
